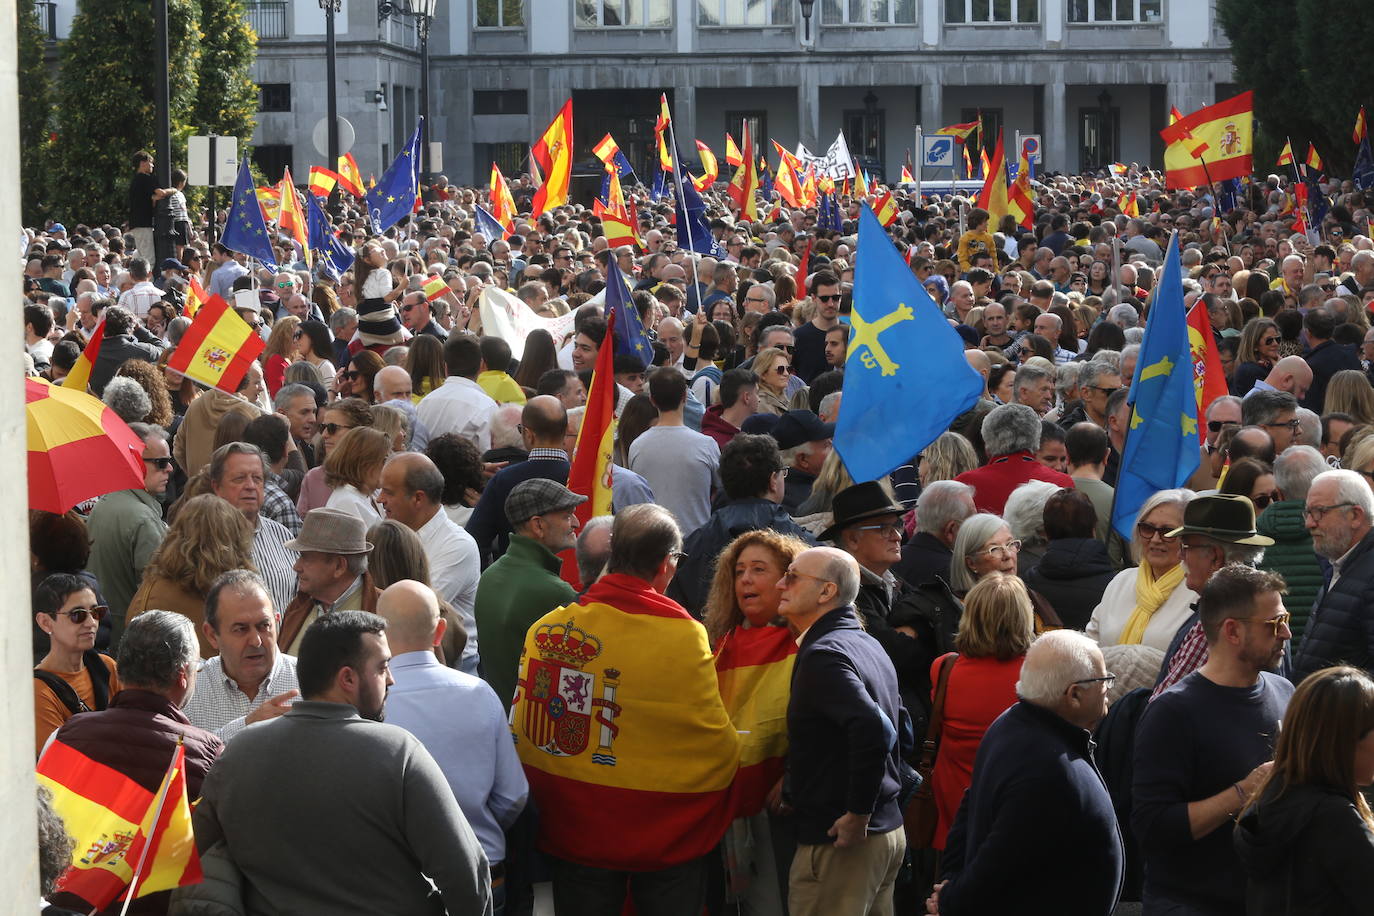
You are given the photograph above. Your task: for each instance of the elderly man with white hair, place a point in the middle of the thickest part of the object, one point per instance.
(1037, 797)
(1338, 513)
(940, 511)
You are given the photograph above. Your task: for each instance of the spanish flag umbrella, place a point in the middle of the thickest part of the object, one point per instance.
(78, 448)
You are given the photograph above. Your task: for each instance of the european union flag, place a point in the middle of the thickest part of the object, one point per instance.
(487, 224)
(246, 231)
(905, 379)
(692, 231)
(766, 181)
(1316, 199)
(622, 166)
(1162, 438)
(655, 192)
(1364, 166)
(323, 241)
(393, 199)
(629, 333)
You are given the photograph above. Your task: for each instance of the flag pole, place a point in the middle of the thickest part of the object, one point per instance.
(686, 226)
(162, 793)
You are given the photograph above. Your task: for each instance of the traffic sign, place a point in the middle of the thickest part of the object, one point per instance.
(1030, 145)
(320, 136)
(212, 161)
(937, 152)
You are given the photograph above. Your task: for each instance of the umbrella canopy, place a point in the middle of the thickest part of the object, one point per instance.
(78, 448)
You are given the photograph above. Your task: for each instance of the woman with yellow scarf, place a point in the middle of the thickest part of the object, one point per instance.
(1145, 605)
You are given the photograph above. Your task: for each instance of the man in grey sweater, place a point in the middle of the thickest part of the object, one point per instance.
(326, 810)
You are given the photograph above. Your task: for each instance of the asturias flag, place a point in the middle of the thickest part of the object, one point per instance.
(901, 349)
(1162, 439)
(393, 199)
(217, 348)
(246, 231)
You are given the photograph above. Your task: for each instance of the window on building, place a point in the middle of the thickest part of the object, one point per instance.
(509, 157)
(863, 131)
(868, 12)
(500, 102)
(996, 11)
(992, 123)
(1099, 132)
(758, 128)
(744, 12)
(267, 17)
(500, 14)
(631, 14)
(274, 97)
(1116, 11)
(272, 158)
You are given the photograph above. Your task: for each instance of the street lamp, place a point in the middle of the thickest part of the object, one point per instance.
(422, 11)
(807, 6)
(331, 8)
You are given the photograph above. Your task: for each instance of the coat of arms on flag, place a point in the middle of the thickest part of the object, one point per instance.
(561, 707)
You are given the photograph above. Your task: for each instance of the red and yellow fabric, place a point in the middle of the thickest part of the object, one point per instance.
(754, 671)
(322, 180)
(434, 287)
(1360, 130)
(732, 154)
(665, 155)
(968, 163)
(1314, 159)
(554, 153)
(502, 204)
(745, 183)
(606, 150)
(630, 754)
(292, 219)
(983, 162)
(217, 348)
(269, 199)
(196, 296)
(590, 473)
(993, 197)
(809, 196)
(787, 182)
(907, 177)
(78, 448)
(1127, 203)
(885, 208)
(80, 375)
(1174, 114)
(350, 178)
(860, 183)
(804, 270)
(961, 131)
(1286, 154)
(1209, 380)
(1224, 132)
(111, 817)
(615, 225)
(1020, 199)
(709, 166)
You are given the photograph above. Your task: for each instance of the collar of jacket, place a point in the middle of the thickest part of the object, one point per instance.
(840, 618)
(148, 701)
(1080, 739)
(526, 548)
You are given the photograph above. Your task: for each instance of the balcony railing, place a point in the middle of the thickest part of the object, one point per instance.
(268, 18)
(47, 18)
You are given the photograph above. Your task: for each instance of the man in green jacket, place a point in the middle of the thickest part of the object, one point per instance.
(126, 527)
(1292, 555)
(523, 584)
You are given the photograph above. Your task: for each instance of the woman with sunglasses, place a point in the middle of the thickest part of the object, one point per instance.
(356, 380)
(773, 368)
(1145, 605)
(339, 417)
(73, 677)
(1259, 350)
(1253, 479)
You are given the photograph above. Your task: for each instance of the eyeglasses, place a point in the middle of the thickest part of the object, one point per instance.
(790, 577)
(679, 556)
(1317, 513)
(1293, 424)
(162, 464)
(998, 551)
(78, 615)
(783, 370)
(782, 471)
(1274, 623)
(1106, 680)
(756, 301)
(1268, 341)
(834, 298)
(1263, 500)
(334, 428)
(887, 530)
(1150, 532)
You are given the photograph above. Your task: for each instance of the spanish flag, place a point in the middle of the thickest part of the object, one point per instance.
(117, 824)
(322, 180)
(1209, 381)
(993, 197)
(1127, 204)
(1175, 115)
(350, 179)
(619, 722)
(754, 673)
(885, 208)
(590, 474)
(745, 182)
(606, 150)
(1313, 160)
(732, 154)
(787, 184)
(554, 153)
(80, 375)
(907, 177)
(615, 225)
(1020, 201)
(961, 131)
(665, 155)
(292, 219)
(1359, 132)
(434, 287)
(196, 296)
(1224, 131)
(708, 165)
(502, 204)
(269, 199)
(808, 195)
(1286, 154)
(217, 348)
(860, 185)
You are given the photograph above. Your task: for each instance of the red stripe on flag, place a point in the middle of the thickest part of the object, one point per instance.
(94, 781)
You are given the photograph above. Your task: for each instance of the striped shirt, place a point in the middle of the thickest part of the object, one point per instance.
(275, 561)
(217, 703)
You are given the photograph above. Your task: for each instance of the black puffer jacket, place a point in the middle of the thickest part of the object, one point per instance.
(1072, 575)
(1341, 628)
(1306, 852)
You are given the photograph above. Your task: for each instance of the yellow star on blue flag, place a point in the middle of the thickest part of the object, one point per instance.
(245, 231)
(393, 199)
(630, 337)
(1162, 445)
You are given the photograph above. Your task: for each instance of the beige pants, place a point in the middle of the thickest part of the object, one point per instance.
(856, 881)
(143, 241)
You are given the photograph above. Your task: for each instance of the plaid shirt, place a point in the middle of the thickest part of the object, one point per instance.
(1191, 655)
(217, 704)
(279, 507)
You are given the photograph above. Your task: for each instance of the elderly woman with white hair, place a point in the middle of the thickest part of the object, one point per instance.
(1025, 515)
(1145, 605)
(983, 546)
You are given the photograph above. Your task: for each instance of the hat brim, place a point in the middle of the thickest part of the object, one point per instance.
(1245, 539)
(301, 546)
(563, 504)
(835, 528)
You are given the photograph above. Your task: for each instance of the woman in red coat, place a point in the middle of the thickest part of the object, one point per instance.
(994, 633)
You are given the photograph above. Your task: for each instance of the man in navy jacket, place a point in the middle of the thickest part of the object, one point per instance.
(1036, 833)
(844, 719)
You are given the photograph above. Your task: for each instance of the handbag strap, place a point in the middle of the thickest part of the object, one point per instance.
(937, 712)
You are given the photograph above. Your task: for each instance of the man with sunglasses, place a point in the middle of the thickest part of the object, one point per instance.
(1204, 746)
(418, 317)
(126, 527)
(809, 359)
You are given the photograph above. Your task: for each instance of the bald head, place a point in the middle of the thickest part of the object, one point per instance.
(392, 383)
(1291, 374)
(411, 610)
(980, 362)
(545, 420)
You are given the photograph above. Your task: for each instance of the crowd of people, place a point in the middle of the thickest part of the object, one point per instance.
(757, 686)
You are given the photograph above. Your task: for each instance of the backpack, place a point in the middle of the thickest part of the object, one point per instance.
(100, 684)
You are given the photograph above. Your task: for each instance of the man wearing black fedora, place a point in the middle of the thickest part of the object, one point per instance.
(1217, 530)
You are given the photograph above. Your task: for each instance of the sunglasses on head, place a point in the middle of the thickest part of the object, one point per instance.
(78, 615)
(334, 428)
(162, 464)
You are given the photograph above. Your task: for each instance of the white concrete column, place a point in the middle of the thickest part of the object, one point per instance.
(932, 102)
(809, 106)
(1059, 146)
(685, 119)
(19, 839)
(685, 25)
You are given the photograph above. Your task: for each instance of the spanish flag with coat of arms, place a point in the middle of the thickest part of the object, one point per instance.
(1220, 133)
(619, 723)
(217, 348)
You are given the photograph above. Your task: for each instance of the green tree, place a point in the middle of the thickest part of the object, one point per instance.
(105, 111)
(1337, 75)
(34, 112)
(1264, 51)
(227, 102)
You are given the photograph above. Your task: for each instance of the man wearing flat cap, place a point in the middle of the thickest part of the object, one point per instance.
(523, 584)
(332, 570)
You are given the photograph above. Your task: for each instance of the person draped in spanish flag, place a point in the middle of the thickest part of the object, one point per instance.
(630, 754)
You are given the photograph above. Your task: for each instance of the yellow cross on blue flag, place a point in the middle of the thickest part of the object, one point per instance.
(1162, 445)
(393, 199)
(905, 379)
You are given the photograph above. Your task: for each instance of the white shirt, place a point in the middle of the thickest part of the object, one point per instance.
(1118, 603)
(454, 568)
(141, 297)
(40, 350)
(459, 720)
(217, 703)
(350, 499)
(459, 406)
